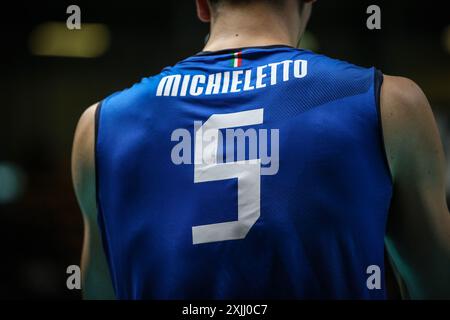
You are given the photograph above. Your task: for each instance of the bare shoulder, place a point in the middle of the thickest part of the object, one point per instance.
(86, 124)
(83, 160)
(417, 234)
(402, 100)
(96, 277)
(409, 127)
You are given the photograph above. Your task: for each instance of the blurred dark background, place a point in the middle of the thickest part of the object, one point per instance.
(44, 91)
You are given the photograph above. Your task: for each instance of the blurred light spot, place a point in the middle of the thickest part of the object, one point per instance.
(309, 42)
(55, 39)
(446, 39)
(12, 182)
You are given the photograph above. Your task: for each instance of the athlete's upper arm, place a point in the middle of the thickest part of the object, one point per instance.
(96, 282)
(418, 231)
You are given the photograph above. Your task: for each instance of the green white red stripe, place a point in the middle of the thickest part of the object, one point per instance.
(236, 60)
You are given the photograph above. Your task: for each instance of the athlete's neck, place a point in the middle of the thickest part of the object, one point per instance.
(252, 25)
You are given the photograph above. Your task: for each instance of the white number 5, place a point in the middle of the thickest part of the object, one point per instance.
(248, 173)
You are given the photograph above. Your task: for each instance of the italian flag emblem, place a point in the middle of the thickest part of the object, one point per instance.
(236, 59)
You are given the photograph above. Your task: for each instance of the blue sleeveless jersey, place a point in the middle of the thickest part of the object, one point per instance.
(248, 173)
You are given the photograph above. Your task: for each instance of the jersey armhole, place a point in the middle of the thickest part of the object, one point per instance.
(378, 82)
(100, 214)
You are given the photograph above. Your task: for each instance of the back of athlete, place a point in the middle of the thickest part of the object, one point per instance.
(261, 172)
(187, 215)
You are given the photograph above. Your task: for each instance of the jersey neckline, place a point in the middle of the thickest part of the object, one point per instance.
(231, 50)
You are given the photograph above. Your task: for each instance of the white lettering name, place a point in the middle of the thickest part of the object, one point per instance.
(232, 81)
